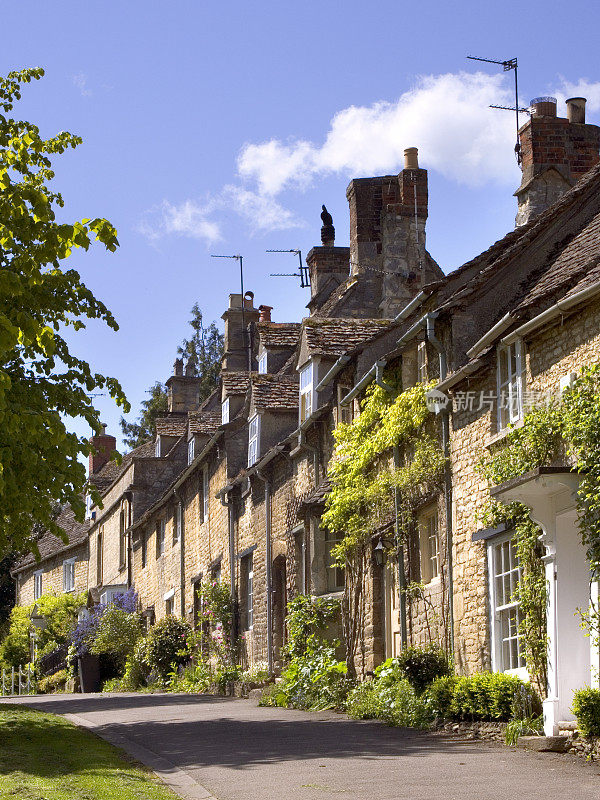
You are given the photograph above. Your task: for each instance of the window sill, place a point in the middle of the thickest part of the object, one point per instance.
(336, 594)
(434, 583)
(498, 437)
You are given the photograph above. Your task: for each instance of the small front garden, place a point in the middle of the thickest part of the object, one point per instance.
(82, 766)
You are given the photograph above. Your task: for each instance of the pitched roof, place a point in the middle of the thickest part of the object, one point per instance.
(235, 382)
(204, 422)
(279, 334)
(171, 425)
(50, 545)
(334, 337)
(275, 392)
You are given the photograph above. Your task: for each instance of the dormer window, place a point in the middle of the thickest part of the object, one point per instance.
(306, 391)
(510, 372)
(191, 449)
(225, 411)
(253, 439)
(263, 364)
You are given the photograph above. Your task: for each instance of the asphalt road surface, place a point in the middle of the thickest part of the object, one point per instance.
(213, 747)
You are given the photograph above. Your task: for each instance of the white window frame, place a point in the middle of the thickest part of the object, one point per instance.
(263, 363)
(253, 439)
(422, 362)
(68, 575)
(225, 411)
(249, 598)
(88, 506)
(161, 535)
(500, 609)
(429, 535)
(37, 584)
(205, 493)
(177, 523)
(191, 449)
(307, 393)
(510, 375)
(157, 447)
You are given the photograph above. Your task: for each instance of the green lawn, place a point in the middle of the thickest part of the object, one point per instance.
(44, 757)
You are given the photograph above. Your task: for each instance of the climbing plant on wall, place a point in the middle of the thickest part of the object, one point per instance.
(365, 479)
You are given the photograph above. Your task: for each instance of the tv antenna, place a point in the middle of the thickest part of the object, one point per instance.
(302, 271)
(240, 259)
(507, 66)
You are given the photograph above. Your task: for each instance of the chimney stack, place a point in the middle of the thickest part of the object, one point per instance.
(555, 152)
(104, 446)
(235, 350)
(183, 388)
(265, 313)
(576, 110)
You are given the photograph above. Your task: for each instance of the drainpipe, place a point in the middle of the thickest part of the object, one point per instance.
(430, 329)
(228, 502)
(268, 570)
(129, 496)
(400, 547)
(180, 511)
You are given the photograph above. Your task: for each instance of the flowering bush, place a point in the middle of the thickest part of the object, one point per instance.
(85, 633)
(213, 638)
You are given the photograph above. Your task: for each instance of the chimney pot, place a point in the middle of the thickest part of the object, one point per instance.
(411, 158)
(104, 445)
(265, 313)
(576, 109)
(248, 299)
(543, 106)
(178, 366)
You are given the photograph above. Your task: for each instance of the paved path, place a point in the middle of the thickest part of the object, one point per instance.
(212, 747)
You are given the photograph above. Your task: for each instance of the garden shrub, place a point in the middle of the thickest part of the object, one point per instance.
(422, 665)
(166, 645)
(84, 635)
(60, 612)
(190, 679)
(396, 703)
(586, 707)
(257, 673)
(315, 680)
(439, 696)
(117, 635)
(486, 696)
(53, 683)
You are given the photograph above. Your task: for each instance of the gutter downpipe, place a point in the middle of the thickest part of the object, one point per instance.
(400, 547)
(269, 558)
(430, 329)
(129, 495)
(180, 512)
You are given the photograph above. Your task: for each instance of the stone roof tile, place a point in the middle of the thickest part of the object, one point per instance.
(275, 392)
(334, 337)
(279, 334)
(204, 422)
(50, 545)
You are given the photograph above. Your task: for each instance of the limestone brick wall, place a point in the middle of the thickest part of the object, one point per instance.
(161, 574)
(52, 578)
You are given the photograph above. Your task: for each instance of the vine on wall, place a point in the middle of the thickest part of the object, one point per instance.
(365, 480)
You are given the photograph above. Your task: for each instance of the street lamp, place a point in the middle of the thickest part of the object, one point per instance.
(379, 553)
(39, 622)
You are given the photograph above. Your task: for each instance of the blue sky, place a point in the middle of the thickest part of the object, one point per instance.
(221, 128)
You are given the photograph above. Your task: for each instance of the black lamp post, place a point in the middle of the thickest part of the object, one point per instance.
(379, 553)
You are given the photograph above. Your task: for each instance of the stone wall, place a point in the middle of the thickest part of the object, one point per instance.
(52, 578)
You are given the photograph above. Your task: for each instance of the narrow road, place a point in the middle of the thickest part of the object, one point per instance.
(213, 747)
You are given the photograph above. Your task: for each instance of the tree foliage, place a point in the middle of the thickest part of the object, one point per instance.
(42, 383)
(204, 351)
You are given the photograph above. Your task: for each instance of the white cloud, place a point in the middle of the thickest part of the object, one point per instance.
(185, 219)
(446, 116)
(80, 81)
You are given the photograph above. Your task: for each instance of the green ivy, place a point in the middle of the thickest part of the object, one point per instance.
(362, 474)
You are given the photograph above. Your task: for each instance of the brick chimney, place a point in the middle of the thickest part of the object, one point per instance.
(387, 234)
(183, 389)
(104, 446)
(235, 351)
(265, 313)
(555, 152)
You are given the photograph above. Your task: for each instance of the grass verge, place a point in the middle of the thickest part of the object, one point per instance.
(44, 757)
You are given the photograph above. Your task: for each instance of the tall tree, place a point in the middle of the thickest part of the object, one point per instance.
(136, 433)
(204, 349)
(42, 384)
